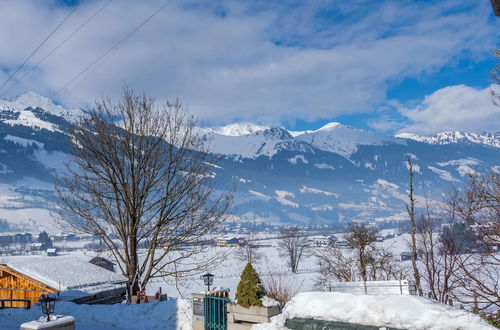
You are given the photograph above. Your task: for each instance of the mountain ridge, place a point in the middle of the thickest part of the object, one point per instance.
(330, 175)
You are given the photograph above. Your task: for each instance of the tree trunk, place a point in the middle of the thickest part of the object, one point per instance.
(411, 214)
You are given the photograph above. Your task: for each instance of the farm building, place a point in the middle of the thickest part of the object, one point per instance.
(104, 263)
(72, 278)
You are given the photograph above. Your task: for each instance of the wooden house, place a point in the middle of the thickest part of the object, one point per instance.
(15, 285)
(71, 278)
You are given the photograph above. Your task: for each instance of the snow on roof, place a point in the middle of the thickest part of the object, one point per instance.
(403, 312)
(68, 273)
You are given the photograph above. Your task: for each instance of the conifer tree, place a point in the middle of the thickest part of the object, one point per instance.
(250, 289)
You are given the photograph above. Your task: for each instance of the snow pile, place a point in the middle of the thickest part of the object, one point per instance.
(403, 312)
(170, 315)
(269, 302)
(68, 273)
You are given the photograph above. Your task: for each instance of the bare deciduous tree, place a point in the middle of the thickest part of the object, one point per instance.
(139, 174)
(293, 245)
(335, 265)
(382, 265)
(439, 255)
(478, 205)
(410, 208)
(249, 250)
(359, 237)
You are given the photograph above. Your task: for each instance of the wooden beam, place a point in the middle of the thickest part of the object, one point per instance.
(496, 6)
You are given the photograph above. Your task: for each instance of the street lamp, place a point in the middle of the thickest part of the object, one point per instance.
(208, 279)
(48, 305)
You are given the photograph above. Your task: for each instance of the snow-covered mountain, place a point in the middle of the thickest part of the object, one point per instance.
(344, 140)
(485, 138)
(238, 129)
(32, 100)
(333, 174)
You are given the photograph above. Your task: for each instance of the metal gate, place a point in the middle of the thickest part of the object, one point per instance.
(215, 312)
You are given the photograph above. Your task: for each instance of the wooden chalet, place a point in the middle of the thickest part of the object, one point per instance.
(71, 278)
(14, 285)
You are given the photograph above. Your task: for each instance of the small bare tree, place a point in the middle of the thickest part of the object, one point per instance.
(410, 208)
(383, 265)
(359, 237)
(249, 250)
(294, 245)
(439, 255)
(335, 265)
(478, 205)
(139, 175)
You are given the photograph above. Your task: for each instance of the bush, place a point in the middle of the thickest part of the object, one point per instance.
(279, 286)
(250, 289)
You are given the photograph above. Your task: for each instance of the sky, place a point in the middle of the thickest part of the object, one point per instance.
(391, 66)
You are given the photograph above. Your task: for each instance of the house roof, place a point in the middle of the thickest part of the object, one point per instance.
(68, 273)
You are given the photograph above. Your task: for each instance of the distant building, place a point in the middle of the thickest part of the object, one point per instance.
(104, 263)
(230, 242)
(36, 246)
(6, 240)
(405, 256)
(341, 243)
(23, 238)
(321, 242)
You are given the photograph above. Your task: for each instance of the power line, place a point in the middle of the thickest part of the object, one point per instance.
(40, 46)
(57, 47)
(116, 45)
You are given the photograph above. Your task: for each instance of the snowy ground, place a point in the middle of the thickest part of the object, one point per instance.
(169, 315)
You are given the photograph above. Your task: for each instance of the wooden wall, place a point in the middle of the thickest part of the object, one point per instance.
(14, 285)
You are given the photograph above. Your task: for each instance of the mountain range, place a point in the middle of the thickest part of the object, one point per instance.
(331, 175)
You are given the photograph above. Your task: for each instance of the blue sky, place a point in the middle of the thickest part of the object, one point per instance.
(388, 65)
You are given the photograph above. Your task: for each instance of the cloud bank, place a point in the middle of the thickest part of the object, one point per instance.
(260, 61)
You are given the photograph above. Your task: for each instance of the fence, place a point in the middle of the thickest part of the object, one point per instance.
(374, 287)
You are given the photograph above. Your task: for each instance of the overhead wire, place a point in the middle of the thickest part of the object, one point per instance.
(57, 47)
(41, 44)
(112, 48)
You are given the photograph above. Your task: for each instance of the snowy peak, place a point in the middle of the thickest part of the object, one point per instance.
(33, 100)
(238, 129)
(266, 142)
(484, 138)
(343, 140)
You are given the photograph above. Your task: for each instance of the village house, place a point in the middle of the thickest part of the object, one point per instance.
(104, 263)
(69, 277)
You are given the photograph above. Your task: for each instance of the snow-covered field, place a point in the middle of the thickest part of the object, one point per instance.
(407, 312)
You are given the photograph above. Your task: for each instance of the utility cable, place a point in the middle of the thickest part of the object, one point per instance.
(111, 49)
(40, 46)
(57, 47)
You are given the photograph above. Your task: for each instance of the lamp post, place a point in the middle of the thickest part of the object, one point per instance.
(208, 279)
(48, 305)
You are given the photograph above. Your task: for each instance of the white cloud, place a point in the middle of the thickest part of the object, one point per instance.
(453, 108)
(227, 60)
